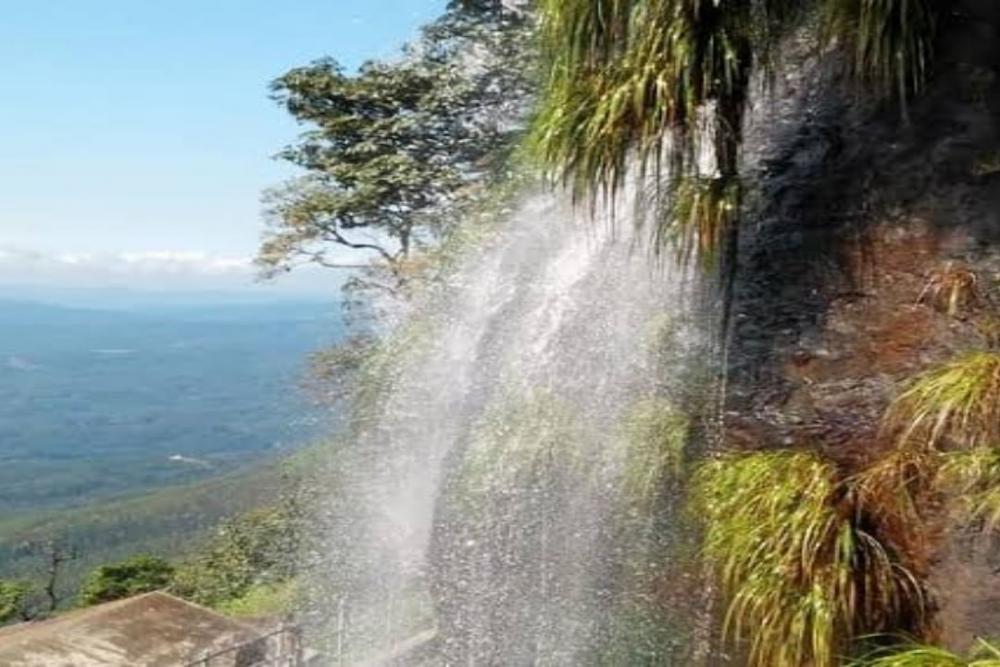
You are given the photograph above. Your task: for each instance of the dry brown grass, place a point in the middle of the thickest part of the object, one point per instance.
(952, 288)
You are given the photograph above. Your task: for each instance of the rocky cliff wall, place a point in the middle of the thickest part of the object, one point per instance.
(859, 208)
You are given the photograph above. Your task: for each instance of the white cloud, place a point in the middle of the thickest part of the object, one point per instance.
(186, 269)
(154, 269)
(172, 261)
(142, 262)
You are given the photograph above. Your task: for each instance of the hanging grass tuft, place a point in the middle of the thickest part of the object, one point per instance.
(655, 80)
(889, 43)
(974, 477)
(959, 401)
(800, 559)
(898, 488)
(702, 212)
(663, 84)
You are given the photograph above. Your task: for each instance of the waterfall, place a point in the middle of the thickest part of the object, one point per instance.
(508, 486)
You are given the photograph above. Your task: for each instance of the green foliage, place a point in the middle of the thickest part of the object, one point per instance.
(13, 598)
(630, 75)
(800, 558)
(959, 401)
(889, 43)
(645, 78)
(132, 576)
(986, 655)
(169, 523)
(257, 548)
(650, 79)
(522, 443)
(334, 370)
(656, 434)
(974, 476)
(397, 145)
(271, 599)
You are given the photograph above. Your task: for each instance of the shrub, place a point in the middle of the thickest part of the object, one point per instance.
(13, 597)
(800, 558)
(959, 401)
(132, 576)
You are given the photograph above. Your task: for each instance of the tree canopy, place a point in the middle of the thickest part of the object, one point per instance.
(13, 598)
(255, 548)
(132, 576)
(391, 147)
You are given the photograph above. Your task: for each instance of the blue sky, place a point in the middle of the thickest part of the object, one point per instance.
(140, 131)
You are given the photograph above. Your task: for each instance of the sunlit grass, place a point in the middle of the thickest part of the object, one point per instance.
(959, 401)
(798, 558)
(915, 655)
(263, 600)
(632, 79)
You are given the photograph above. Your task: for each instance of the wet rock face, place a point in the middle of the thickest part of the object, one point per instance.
(858, 207)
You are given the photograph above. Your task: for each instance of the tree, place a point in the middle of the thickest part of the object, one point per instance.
(132, 576)
(55, 554)
(260, 547)
(392, 147)
(13, 600)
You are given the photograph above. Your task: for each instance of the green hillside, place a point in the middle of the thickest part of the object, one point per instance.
(168, 523)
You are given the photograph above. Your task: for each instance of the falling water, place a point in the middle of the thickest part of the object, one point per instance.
(505, 494)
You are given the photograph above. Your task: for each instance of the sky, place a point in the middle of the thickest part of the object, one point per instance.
(137, 135)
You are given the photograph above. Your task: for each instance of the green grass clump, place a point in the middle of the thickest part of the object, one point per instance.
(800, 560)
(974, 476)
(917, 655)
(960, 401)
